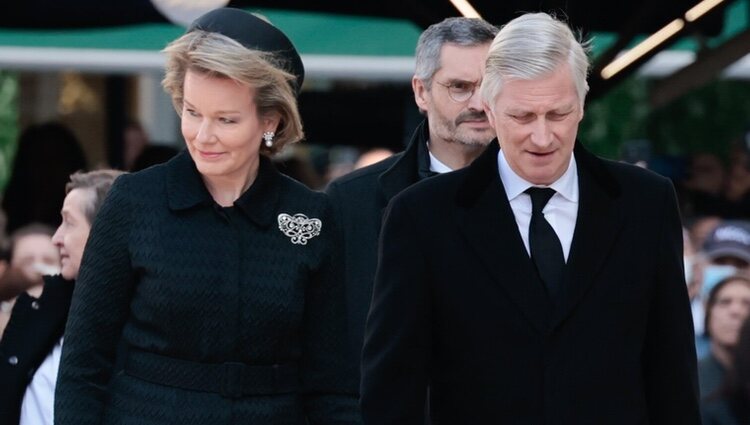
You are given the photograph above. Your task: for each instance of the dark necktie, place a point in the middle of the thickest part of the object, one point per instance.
(546, 250)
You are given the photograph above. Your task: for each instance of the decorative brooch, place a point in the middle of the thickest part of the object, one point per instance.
(299, 228)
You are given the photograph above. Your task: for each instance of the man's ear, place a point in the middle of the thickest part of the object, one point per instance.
(420, 93)
(490, 115)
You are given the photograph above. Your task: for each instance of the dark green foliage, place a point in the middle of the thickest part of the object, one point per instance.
(8, 123)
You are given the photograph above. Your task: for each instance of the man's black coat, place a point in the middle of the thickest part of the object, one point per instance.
(456, 306)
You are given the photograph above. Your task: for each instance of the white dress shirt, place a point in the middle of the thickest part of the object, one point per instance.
(38, 403)
(561, 211)
(435, 164)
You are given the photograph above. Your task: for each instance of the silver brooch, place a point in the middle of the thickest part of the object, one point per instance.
(299, 228)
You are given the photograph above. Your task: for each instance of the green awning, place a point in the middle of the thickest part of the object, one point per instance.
(312, 33)
(332, 46)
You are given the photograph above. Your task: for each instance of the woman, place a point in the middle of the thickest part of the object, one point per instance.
(731, 406)
(727, 307)
(30, 349)
(212, 270)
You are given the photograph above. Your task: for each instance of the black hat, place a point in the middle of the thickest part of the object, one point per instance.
(253, 33)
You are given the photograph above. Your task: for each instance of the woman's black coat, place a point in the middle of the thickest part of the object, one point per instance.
(225, 317)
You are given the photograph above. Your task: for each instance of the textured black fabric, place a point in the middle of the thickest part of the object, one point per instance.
(546, 250)
(35, 326)
(230, 379)
(170, 272)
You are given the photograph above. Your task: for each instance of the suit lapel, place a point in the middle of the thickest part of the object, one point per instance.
(405, 171)
(486, 219)
(597, 228)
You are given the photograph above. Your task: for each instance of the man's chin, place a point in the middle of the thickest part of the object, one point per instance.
(475, 143)
(478, 140)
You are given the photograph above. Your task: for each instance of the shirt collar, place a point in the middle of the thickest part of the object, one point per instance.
(435, 164)
(566, 185)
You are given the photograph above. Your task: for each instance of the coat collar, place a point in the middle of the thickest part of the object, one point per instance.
(186, 190)
(487, 221)
(406, 170)
(489, 224)
(598, 227)
(484, 171)
(56, 286)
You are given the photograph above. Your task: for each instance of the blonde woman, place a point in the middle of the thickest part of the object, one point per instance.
(212, 271)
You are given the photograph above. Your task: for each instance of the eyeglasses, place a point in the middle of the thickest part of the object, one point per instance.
(460, 91)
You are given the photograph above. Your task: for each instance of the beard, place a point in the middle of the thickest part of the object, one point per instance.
(454, 132)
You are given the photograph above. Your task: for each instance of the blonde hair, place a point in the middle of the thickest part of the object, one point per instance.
(218, 55)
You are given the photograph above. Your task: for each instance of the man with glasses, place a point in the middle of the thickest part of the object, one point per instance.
(449, 62)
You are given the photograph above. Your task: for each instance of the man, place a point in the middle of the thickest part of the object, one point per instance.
(728, 245)
(31, 346)
(449, 61)
(515, 312)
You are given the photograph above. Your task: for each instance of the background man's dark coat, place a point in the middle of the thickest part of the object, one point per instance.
(359, 199)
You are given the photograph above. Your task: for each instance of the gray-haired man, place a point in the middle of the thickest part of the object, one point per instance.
(449, 62)
(540, 284)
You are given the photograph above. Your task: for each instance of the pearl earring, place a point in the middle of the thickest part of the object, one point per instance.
(268, 138)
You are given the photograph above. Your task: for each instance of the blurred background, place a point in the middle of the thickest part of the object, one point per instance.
(95, 67)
